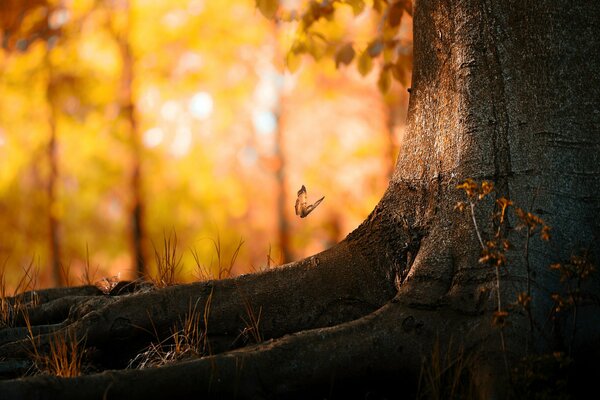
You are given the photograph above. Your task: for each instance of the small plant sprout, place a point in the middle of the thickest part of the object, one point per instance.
(572, 273)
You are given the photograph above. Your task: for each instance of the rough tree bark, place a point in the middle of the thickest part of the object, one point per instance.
(506, 91)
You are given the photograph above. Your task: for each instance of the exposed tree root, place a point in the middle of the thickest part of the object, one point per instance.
(339, 285)
(46, 295)
(387, 344)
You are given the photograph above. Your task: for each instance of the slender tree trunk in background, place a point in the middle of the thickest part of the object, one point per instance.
(392, 149)
(283, 202)
(52, 182)
(128, 113)
(502, 90)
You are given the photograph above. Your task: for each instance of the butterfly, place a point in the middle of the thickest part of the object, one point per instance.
(302, 206)
(106, 285)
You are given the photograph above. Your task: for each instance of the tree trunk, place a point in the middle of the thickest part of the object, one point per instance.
(137, 206)
(53, 178)
(501, 91)
(283, 201)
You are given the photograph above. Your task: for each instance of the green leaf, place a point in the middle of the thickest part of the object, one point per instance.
(344, 55)
(268, 8)
(364, 64)
(384, 82)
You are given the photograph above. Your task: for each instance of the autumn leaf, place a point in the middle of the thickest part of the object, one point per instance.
(292, 61)
(400, 74)
(384, 82)
(500, 318)
(357, 6)
(545, 233)
(470, 187)
(378, 5)
(395, 14)
(460, 206)
(486, 188)
(375, 48)
(268, 8)
(524, 299)
(344, 55)
(364, 64)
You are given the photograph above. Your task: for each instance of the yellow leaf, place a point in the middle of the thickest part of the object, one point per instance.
(357, 6)
(268, 8)
(292, 61)
(384, 81)
(400, 74)
(365, 64)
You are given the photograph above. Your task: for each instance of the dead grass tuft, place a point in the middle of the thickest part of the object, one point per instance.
(12, 306)
(223, 269)
(447, 374)
(168, 263)
(87, 277)
(65, 355)
(251, 330)
(188, 339)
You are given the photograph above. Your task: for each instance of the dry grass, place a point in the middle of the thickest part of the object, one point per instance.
(545, 376)
(65, 356)
(188, 339)
(168, 263)
(12, 306)
(251, 329)
(223, 269)
(65, 273)
(88, 278)
(447, 374)
(270, 262)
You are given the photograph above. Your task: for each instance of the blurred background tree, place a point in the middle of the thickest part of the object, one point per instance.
(123, 123)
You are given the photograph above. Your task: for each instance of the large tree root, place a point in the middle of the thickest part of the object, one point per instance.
(387, 344)
(46, 295)
(333, 287)
(321, 324)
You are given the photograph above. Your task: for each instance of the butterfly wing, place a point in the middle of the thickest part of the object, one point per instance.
(301, 201)
(311, 207)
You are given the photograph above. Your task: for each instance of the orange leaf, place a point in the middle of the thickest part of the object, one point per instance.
(344, 55)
